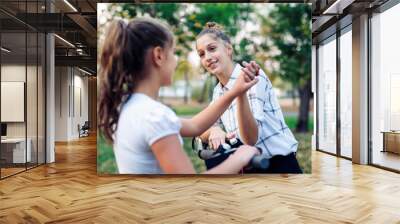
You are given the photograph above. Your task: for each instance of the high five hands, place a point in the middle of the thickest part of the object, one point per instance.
(250, 70)
(247, 77)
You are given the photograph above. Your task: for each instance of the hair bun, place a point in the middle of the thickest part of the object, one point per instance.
(216, 30)
(213, 25)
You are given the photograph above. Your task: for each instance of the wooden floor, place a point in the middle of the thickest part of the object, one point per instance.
(10, 171)
(69, 191)
(387, 159)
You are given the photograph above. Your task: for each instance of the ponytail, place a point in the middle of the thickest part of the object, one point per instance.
(122, 65)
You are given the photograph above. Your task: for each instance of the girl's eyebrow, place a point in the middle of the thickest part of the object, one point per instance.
(210, 44)
(198, 50)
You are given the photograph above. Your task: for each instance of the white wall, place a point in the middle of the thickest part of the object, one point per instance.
(12, 100)
(71, 93)
(12, 73)
(61, 103)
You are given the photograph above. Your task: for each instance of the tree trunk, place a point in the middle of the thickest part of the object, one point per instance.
(203, 93)
(305, 96)
(293, 98)
(186, 94)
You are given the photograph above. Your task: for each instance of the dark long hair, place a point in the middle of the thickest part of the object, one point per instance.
(123, 65)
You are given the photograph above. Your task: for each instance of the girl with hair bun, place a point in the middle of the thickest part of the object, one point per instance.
(255, 116)
(138, 58)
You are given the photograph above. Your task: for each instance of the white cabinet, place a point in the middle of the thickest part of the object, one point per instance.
(17, 147)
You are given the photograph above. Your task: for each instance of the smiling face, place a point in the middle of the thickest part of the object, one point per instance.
(215, 55)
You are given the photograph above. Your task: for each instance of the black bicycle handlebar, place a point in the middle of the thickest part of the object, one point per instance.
(231, 145)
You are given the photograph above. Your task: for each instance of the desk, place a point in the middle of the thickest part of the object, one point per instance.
(15, 148)
(391, 141)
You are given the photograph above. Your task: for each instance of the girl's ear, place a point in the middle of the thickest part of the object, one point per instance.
(230, 50)
(157, 55)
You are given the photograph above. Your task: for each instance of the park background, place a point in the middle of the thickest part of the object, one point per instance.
(276, 36)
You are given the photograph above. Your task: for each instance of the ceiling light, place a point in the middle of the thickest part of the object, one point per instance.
(5, 49)
(331, 7)
(86, 72)
(64, 40)
(70, 5)
(338, 6)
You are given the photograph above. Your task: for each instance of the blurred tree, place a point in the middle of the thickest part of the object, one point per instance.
(184, 70)
(187, 20)
(166, 11)
(173, 14)
(289, 29)
(207, 90)
(232, 17)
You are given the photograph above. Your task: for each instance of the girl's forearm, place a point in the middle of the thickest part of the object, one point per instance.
(247, 124)
(232, 165)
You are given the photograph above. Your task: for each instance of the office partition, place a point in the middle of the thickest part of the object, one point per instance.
(22, 78)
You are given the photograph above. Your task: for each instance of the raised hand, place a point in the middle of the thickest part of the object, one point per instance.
(250, 70)
(247, 77)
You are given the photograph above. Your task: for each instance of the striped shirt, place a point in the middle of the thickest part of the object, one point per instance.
(274, 136)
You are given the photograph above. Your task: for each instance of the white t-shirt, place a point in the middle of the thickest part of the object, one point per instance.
(142, 122)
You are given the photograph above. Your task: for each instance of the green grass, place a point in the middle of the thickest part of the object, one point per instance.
(106, 160)
(198, 164)
(303, 154)
(105, 157)
(291, 122)
(187, 110)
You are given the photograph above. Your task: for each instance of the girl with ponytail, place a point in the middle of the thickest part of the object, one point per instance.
(138, 58)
